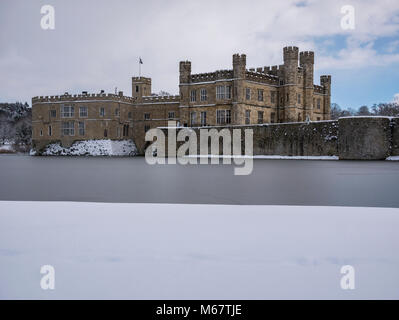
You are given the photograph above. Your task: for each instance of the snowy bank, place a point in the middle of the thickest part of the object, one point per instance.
(266, 157)
(166, 251)
(92, 148)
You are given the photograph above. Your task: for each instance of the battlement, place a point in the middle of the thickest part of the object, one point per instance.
(212, 76)
(290, 53)
(141, 80)
(306, 57)
(324, 79)
(237, 58)
(185, 65)
(84, 96)
(269, 70)
(318, 89)
(261, 77)
(160, 99)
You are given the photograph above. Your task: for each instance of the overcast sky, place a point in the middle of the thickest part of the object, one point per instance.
(96, 44)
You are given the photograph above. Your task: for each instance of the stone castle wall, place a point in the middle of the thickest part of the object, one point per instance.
(354, 138)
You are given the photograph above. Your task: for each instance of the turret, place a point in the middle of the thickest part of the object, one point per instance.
(306, 61)
(141, 87)
(290, 64)
(185, 71)
(325, 82)
(239, 65)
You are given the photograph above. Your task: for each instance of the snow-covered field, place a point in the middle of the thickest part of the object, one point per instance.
(161, 251)
(93, 148)
(272, 157)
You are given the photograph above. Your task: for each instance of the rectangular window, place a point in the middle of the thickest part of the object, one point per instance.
(288, 97)
(228, 92)
(220, 92)
(67, 111)
(272, 117)
(203, 118)
(228, 116)
(68, 128)
(318, 118)
(146, 116)
(171, 115)
(273, 97)
(299, 98)
(193, 118)
(193, 95)
(82, 112)
(260, 95)
(41, 132)
(137, 88)
(248, 93)
(102, 112)
(247, 116)
(126, 130)
(53, 113)
(129, 115)
(318, 103)
(118, 132)
(146, 128)
(203, 95)
(220, 116)
(260, 116)
(117, 112)
(223, 116)
(81, 128)
(50, 131)
(223, 92)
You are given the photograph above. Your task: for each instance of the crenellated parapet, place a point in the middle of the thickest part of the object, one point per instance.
(83, 97)
(318, 89)
(261, 77)
(212, 76)
(161, 99)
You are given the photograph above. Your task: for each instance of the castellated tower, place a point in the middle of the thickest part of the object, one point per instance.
(239, 73)
(306, 61)
(239, 65)
(185, 71)
(325, 82)
(141, 87)
(290, 82)
(184, 79)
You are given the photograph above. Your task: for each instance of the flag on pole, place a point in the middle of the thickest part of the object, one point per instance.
(140, 63)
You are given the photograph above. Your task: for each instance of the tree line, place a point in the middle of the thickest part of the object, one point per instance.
(390, 109)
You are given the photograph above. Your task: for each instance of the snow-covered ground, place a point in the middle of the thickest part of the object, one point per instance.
(266, 157)
(93, 148)
(7, 146)
(161, 251)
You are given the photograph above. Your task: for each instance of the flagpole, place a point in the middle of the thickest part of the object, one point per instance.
(139, 68)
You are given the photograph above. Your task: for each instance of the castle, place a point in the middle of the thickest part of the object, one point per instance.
(238, 96)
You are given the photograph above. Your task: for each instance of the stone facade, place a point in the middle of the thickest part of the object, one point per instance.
(238, 96)
(351, 138)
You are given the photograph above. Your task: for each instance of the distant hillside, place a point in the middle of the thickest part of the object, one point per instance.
(15, 127)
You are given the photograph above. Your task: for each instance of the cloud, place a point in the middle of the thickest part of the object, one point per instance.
(96, 44)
